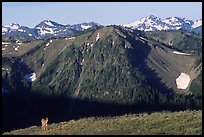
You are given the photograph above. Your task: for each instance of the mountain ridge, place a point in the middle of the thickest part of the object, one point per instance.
(48, 28)
(152, 23)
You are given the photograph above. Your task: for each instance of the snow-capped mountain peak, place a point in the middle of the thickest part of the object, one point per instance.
(197, 23)
(152, 23)
(45, 29)
(12, 26)
(9, 27)
(149, 23)
(49, 23)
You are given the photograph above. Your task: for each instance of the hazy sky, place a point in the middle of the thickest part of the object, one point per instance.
(105, 13)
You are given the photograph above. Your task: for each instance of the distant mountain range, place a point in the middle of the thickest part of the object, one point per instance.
(153, 23)
(47, 28)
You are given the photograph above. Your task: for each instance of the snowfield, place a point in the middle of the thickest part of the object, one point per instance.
(16, 48)
(71, 38)
(49, 23)
(97, 37)
(30, 77)
(47, 44)
(182, 81)
(180, 53)
(85, 27)
(5, 42)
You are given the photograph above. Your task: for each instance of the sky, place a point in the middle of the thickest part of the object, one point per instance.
(105, 13)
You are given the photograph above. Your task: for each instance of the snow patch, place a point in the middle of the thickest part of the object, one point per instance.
(4, 30)
(142, 38)
(85, 27)
(197, 23)
(5, 42)
(43, 31)
(181, 53)
(81, 63)
(182, 81)
(97, 37)
(71, 38)
(21, 30)
(12, 26)
(47, 44)
(49, 23)
(30, 77)
(18, 42)
(16, 48)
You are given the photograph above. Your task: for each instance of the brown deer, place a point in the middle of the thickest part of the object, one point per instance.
(44, 123)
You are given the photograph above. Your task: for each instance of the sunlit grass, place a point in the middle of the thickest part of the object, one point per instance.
(172, 123)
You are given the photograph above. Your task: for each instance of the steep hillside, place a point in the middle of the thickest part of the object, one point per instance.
(101, 71)
(189, 47)
(184, 123)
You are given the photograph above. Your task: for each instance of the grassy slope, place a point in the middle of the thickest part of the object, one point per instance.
(173, 123)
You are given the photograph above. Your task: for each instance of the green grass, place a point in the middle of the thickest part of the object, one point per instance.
(171, 123)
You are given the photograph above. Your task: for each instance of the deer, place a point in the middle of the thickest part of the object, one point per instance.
(44, 123)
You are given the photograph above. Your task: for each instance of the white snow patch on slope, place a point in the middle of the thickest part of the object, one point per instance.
(30, 77)
(16, 48)
(85, 27)
(43, 31)
(197, 24)
(21, 30)
(49, 23)
(5, 42)
(182, 81)
(47, 44)
(180, 53)
(4, 30)
(12, 26)
(71, 38)
(97, 37)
